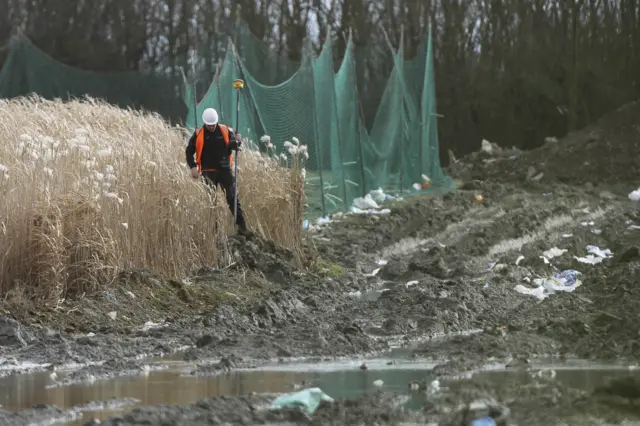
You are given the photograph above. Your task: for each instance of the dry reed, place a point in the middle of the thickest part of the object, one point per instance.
(88, 189)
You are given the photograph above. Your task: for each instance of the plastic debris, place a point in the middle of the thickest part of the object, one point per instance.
(565, 281)
(305, 225)
(486, 146)
(365, 203)
(357, 210)
(554, 252)
(635, 195)
(307, 399)
(323, 220)
(373, 273)
(484, 421)
(569, 275)
(596, 255)
(378, 383)
(599, 252)
(378, 196)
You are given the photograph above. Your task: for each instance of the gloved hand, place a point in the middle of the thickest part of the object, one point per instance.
(195, 173)
(235, 144)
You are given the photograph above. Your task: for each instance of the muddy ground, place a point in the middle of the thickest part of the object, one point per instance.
(450, 264)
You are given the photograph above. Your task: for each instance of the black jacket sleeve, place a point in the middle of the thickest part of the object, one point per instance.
(191, 151)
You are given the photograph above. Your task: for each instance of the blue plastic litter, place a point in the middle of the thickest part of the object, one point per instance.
(308, 400)
(571, 275)
(305, 225)
(483, 421)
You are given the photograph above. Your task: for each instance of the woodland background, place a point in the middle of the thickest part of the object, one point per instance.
(510, 71)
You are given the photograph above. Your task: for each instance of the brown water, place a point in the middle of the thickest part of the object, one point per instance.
(174, 387)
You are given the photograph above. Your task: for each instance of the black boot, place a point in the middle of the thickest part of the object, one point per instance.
(243, 230)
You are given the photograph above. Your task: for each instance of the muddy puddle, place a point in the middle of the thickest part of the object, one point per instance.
(176, 383)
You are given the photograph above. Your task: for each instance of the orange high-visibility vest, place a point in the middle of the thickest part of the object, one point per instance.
(200, 144)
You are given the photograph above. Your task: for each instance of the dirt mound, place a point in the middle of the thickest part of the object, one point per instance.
(259, 254)
(605, 152)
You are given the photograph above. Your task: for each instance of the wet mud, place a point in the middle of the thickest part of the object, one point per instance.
(443, 265)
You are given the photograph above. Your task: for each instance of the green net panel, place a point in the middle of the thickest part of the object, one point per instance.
(268, 66)
(320, 103)
(29, 70)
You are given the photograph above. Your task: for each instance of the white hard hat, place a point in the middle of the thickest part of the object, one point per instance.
(210, 116)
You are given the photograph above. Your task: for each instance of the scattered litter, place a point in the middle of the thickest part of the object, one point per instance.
(570, 275)
(567, 235)
(479, 197)
(305, 225)
(635, 195)
(554, 252)
(547, 194)
(308, 400)
(130, 294)
(486, 146)
(484, 421)
(378, 383)
(634, 227)
(381, 262)
(596, 255)
(357, 210)
(519, 259)
(113, 315)
(378, 196)
(355, 294)
(149, 325)
(599, 252)
(365, 203)
(597, 231)
(323, 220)
(373, 273)
(589, 259)
(587, 223)
(546, 374)
(410, 283)
(565, 281)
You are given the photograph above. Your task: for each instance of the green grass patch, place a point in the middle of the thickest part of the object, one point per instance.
(326, 268)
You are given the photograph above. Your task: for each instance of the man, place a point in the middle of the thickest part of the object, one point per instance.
(212, 146)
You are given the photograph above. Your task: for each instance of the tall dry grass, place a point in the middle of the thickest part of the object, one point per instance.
(87, 189)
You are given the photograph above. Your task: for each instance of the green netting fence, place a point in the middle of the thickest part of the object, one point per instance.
(28, 70)
(361, 136)
(320, 104)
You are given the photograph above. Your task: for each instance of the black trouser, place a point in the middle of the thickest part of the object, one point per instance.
(225, 180)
